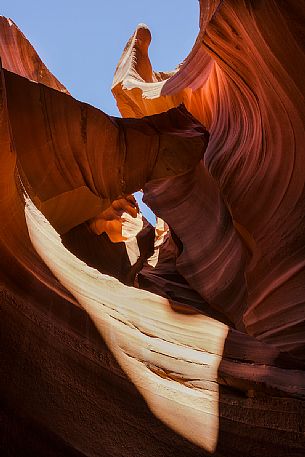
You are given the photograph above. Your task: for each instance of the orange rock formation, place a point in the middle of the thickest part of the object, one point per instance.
(188, 339)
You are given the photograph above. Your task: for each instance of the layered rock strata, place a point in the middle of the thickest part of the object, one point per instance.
(208, 358)
(244, 81)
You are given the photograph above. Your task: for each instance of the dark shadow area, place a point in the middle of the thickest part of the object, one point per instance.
(107, 257)
(255, 420)
(166, 281)
(63, 393)
(19, 436)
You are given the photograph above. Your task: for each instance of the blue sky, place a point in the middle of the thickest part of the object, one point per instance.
(82, 41)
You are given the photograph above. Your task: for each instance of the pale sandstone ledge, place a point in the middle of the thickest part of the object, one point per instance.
(174, 377)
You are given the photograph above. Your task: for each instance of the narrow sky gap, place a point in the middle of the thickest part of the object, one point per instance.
(147, 212)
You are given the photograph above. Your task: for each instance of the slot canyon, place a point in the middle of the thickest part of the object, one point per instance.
(187, 338)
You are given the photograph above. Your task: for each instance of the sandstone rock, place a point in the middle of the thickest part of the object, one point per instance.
(205, 356)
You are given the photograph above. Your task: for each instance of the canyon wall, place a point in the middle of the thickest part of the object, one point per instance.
(122, 339)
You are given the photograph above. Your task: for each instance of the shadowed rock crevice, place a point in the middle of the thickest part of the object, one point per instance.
(188, 338)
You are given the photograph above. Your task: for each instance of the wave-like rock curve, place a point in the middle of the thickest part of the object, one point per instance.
(216, 351)
(244, 81)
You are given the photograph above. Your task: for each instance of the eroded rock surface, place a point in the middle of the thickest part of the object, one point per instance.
(244, 80)
(208, 358)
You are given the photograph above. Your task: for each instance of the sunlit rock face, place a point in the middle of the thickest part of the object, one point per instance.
(122, 339)
(244, 81)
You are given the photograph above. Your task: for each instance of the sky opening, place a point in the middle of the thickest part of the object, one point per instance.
(82, 42)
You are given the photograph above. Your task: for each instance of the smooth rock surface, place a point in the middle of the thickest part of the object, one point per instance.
(184, 340)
